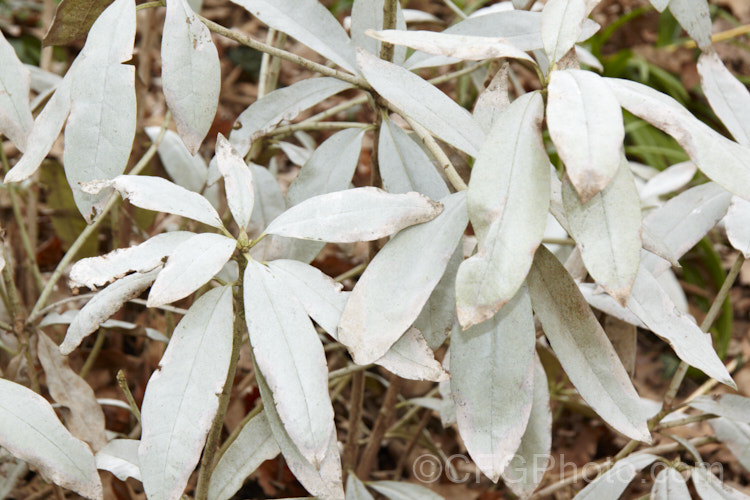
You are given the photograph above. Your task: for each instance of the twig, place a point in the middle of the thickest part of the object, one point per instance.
(379, 428)
(343, 372)
(355, 418)
(98, 343)
(214, 435)
(351, 273)
(283, 54)
(122, 381)
(236, 432)
(412, 443)
(306, 125)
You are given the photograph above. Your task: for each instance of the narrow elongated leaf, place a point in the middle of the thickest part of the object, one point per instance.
(438, 314)
(281, 104)
(670, 485)
(607, 230)
(399, 490)
(653, 306)
(356, 489)
(612, 483)
(423, 102)
(684, 220)
(101, 126)
(330, 168)
(520, 28)
(120, 457)
(582, 347)
(493, 100)
(736, 437)
(464, 47)
(669, 180)
(585, 122)
(728, 97)
(732, 406)
(508, 200)
(562, 22)
(411, 358)
(710, 487)
(94, 272)
(723, 161)
(309, 22)
(529, 463)
(103, 305)
(737, 223)
(238, 182)
(31, 432)
(160, 195)
(190, 266)
(606, 304)
(191, 76)
(15, 115)
(493, 391)
(694, 17)
(44, 132)
(322, 298)
(404, 166)
(181, 397)
(368, 14)
(291, 357)
(399, 280)
(324, 481)
(189, 171)
(660, 5)
(85, 418)
(252, 446)
(360, 214)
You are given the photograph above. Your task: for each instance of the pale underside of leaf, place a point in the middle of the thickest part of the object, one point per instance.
(710, 487)
(189, 171)
(103, 305)
(15, 115)
(281, 104)
(423, 102)
(120, 457)
(607, 230)
(735, 436)
(160, 195)
(397, 283)
(191, 75)
(612, 483)
(695, 18)
(493, 100)
(252, 446)
(44, 132)
(508, 200)
(31, 432)
(526, 469)
(561, 26)
(181, 397)
(653, 306)
(309, 22)
(360, 214)
(737, 223)
(492, 389)
(464, 47)
(411, 358)
(722, 160)
(368, 14)
(732, 406)
(190, 266)
(585, 122)
(670, 485)
(404, 166)
(289, 354)
(94, 272)
(583, 348)
(325, 481)
(238, 182)
(728, 97)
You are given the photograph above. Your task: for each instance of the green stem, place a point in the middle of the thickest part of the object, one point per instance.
(214, 435)
(92, 228)
(122, 382)
(236, 432)
(98, 344)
